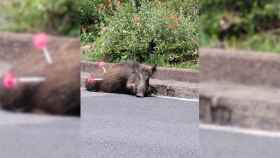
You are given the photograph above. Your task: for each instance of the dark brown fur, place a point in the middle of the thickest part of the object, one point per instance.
(59, 94)
(129, 78)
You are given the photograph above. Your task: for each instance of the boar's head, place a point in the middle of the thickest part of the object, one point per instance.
(138, 81)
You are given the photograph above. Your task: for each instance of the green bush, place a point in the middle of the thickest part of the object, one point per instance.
(53, 16)
(94, 15)
(251, 19)
(91, 20)
(173, 29)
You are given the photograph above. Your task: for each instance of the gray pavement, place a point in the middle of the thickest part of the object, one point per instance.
(37, 136)
(34, 136)
(228, 142)
(122, 126)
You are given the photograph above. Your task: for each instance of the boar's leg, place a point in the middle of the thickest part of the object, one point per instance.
(17, 100)
(131, 84)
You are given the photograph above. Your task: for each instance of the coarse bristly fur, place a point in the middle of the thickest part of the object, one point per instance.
(129, 78)
(59, 94)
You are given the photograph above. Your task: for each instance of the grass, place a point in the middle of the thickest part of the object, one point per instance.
(95, 56)
(261, 42)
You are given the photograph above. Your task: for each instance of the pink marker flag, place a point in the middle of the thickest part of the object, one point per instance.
(92, 79)
(101, 65)
(31, 79)
(40, 41)
(9, 81)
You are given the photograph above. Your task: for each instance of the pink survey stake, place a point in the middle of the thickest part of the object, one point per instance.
(9, 81)
(40, 41)
(101, 65)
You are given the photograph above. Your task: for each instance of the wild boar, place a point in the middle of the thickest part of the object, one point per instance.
(128, 78)
(58, 94)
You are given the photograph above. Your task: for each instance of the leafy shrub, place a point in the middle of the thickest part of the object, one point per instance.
(91, 20)
(130, 31)
(53, 16)
(93, 16)
(251, 19)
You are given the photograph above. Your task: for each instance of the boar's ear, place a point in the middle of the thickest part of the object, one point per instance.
(154, 69)
(150, 70)
(134, 65)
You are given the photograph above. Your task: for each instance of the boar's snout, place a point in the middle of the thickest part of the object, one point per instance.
(141, 89)
(141, 95)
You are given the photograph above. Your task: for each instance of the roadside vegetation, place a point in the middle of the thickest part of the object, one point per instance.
(58, 17)
(249, 24)
(164, 32)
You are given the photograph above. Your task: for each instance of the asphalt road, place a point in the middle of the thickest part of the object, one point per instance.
(136, 127)
(122, 126)
(38, 136)
(131, 127)
(34, 136)
(230, 142)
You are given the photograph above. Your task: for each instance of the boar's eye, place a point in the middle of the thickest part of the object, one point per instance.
(143, 74)
(146, 76)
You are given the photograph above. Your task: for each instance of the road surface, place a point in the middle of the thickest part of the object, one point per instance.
(128, 131)
(122, 126)
(232, 142)
(130, 127)
(37, 136)
(34, 136)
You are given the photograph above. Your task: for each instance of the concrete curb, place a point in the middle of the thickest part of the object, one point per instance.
(242, 67)
(183, 75)
(233, 104)
(240, 88)
(16, 46)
